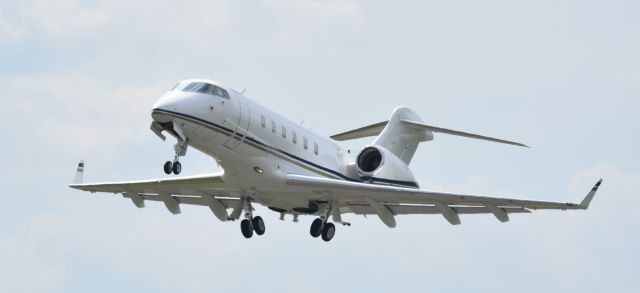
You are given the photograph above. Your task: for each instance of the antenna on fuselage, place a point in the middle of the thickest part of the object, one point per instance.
(243, 91)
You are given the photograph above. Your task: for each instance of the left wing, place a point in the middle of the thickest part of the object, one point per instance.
(387, 201)
(205, 190)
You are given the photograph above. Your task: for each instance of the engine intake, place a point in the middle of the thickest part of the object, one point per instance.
(369, 159)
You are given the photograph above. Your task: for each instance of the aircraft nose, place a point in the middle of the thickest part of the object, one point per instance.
(166, 104)
(162, 109)
(170, 102)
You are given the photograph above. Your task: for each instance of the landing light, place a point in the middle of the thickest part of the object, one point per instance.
(257, 169)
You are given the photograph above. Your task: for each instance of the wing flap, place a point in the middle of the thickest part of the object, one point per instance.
(190, 200)
(399, 209)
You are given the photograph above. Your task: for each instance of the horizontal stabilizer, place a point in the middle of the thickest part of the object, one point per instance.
(369, 130)
(418, 125)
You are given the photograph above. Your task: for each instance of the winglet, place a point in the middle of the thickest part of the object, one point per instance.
(79, 173)
(587, 199)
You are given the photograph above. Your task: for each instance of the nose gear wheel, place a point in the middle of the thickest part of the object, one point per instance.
(175, 167)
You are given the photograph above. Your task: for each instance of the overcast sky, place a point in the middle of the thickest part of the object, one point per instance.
(78, 79)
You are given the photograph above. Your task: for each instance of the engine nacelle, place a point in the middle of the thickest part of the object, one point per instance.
(378, 165)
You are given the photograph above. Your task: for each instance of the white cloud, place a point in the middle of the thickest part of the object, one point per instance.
(65, 111)
(65, 16)
(200, 23)
(78, 114)
(9, 32)
(316, 25)
(28, 264)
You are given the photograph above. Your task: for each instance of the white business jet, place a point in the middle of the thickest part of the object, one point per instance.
(274, 162)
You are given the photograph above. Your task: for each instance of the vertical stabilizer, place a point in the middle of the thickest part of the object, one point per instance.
(401, 139)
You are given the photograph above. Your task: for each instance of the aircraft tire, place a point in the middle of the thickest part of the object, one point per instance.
(258, 225)
(316, 228)
(168, 167)
(177, 168)
(328, 231)
(247, 230)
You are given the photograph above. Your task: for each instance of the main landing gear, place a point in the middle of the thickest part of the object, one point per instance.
(320, 226)
(180, 149)
(251, 224)
(248, 226)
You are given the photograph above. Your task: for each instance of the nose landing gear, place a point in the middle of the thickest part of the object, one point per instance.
(172, 167)
(175, 167)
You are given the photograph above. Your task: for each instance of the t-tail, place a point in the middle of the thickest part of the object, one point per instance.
(404, 131)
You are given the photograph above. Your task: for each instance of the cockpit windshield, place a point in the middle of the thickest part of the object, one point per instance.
(206, 88)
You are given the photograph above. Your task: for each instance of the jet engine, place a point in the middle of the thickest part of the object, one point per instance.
(378, 165)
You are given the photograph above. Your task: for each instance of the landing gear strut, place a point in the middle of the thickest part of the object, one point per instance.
(251, 224)
(180, 149)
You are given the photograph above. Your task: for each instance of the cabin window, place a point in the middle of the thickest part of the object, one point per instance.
(305, 143)
(315, 148)
(263, 121)
(284, 132)
(294, 137)
(273, 126)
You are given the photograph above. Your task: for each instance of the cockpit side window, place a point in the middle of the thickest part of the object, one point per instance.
(219, 92)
